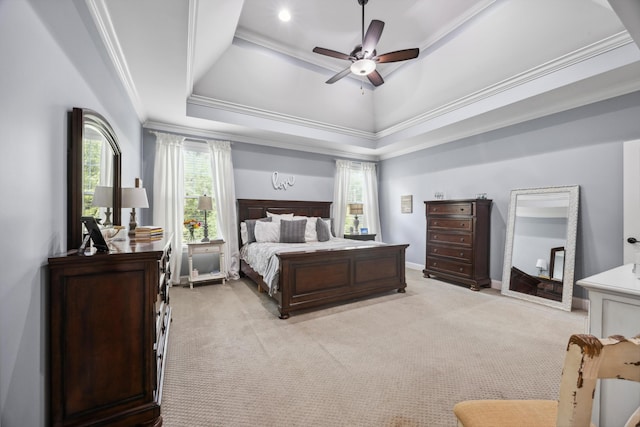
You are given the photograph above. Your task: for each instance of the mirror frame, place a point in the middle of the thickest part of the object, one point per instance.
(79, 118)
(570, 247)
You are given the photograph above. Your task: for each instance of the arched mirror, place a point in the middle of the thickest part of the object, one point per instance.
(93, 176)
(540, 245)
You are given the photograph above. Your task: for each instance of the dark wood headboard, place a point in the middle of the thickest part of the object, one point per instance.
(254, 209)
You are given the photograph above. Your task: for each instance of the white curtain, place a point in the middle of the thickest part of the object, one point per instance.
(168, 194)
(340, 195)
(370, 199)
(225, 196)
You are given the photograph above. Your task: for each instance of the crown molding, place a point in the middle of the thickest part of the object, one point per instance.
(201, 134)
(207, 102)
(606, 45)
(104, 25)
(192, 27)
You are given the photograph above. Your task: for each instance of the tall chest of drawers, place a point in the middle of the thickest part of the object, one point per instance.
(109, 327)
(458, 235)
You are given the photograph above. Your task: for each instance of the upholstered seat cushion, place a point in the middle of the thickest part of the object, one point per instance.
(495, 413)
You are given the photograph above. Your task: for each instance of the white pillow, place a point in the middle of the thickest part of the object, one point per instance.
(310, 233)
(278, 217)
(329, 222)
(267, 232)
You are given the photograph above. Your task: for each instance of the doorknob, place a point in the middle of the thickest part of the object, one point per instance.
(632, 240)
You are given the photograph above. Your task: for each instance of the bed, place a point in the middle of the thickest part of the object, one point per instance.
(308, 279)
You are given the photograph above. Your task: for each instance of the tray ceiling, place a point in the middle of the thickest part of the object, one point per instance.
(233, 70)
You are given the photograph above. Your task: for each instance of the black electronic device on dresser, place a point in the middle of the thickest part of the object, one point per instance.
(458, 235)
(109, 319)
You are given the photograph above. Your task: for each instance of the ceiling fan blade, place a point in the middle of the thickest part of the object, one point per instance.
(375, 78)
(370, 40)
(340, 75)
(332, 53)
(398, 55)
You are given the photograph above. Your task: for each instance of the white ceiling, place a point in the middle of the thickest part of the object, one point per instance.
(233, 70)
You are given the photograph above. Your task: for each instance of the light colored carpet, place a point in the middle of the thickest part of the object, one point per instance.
(392, 360)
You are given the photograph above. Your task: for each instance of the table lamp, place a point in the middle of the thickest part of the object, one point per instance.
(205, 204)
(134, 197)
(355, 209)
(103, 198)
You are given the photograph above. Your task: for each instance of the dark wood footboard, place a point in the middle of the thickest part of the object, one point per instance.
(311, 279)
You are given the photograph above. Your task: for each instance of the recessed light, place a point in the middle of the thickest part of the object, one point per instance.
(284, 15)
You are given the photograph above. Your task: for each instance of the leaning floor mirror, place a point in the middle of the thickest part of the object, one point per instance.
(540, 245)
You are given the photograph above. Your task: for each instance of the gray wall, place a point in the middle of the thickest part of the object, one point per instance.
(49, 65)
(582, 146)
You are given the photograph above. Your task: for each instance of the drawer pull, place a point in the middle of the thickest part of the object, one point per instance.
(462, 239)
(462, 224)
(435, 237)
(435, 264)
(461, 269)
(435, 222)
(435, 251)
(461, 253)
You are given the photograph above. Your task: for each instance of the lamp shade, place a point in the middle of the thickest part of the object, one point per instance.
(204, 203)
(134, 197)
(541, 263)
(355, 208)
(103, 197)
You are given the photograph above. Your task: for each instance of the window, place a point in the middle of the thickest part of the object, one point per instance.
(198, 181)
(355, 191)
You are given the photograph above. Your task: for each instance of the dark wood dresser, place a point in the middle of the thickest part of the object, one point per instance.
(109, 328)
(458, 241)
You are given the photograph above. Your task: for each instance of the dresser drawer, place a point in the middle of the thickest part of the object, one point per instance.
(462, 239)
(450, 223)
(465, 208)
(449, 266)
(462, 254)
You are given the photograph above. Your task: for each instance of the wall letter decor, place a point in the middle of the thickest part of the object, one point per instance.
(287, 182)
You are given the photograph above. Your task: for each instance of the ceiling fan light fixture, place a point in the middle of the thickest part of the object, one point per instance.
(362, 67)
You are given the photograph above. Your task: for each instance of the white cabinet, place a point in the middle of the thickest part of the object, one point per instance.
(614, 297)
(214, 247)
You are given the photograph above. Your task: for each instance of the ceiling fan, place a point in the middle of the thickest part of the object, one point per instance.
(364, 56)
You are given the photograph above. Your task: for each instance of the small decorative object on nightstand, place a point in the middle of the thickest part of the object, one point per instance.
(355, 209)
(205, 204)
(211, 247)
(541, 265)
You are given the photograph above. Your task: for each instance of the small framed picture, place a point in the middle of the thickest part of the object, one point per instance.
(406, 204)
(364, 231)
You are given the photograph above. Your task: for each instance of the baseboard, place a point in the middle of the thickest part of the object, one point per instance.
(414, 266)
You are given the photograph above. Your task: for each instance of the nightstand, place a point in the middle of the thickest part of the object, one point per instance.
(212, 248)
(360, 236)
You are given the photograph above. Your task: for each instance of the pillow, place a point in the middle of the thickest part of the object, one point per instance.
(278, 217)
(329, 222)
(267, 232)
(323, 231)
(292, 231)
(250, 224)
(310, 233)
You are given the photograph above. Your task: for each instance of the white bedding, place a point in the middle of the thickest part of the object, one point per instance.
(263, 260)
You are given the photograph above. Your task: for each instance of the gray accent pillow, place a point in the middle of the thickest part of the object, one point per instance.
(251, 228)
(323, 231)
(292, 231)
